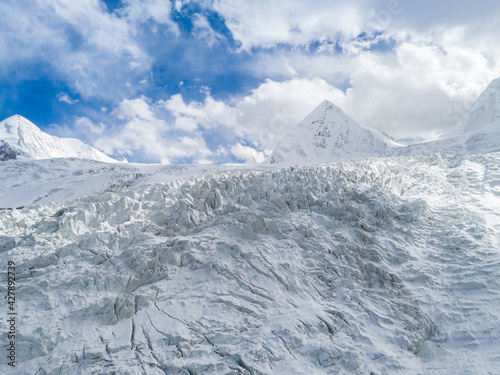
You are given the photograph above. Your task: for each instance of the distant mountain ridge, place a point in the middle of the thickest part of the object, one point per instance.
(479, 130)
(20, 138)
(328, 134)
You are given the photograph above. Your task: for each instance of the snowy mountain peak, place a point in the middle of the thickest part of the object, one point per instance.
(326, 105)
(16, 128)
(323, 111)
(329, 134)
(483, 116)
(479, 130)
(21, 138)
(18, 123)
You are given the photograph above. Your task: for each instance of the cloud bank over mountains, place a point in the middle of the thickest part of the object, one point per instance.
(205, 80)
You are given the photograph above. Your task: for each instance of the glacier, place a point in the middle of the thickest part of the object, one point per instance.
(343, 253)
(354, 267)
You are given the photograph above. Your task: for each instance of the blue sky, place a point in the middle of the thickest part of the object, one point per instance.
(215, 81)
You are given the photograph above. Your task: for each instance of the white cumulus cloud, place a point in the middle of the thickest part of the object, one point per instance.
(245, 152)
(263, 117)
(145, 133)
(65, 98)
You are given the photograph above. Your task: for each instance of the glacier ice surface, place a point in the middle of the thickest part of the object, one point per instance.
(355, 267)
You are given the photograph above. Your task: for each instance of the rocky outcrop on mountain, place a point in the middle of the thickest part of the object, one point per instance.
(7, 152)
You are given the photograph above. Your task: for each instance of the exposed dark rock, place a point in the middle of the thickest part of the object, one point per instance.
(6, 151)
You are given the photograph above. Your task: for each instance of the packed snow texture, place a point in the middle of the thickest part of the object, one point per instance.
(28, 141)
(378, 266)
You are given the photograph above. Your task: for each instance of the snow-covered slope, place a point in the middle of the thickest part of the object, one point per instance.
(479, 130)
(484, 115)
(477, 133)
(386, 266)
(328, 134)
(28, 141)
(38, 182)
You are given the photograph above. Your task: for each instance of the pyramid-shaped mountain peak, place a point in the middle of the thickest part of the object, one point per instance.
(13, 124)
(329, 134)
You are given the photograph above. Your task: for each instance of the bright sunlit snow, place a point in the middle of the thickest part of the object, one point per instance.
(30, 142)
(343, 253)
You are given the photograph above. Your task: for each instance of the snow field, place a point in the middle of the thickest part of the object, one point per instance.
(372, 266)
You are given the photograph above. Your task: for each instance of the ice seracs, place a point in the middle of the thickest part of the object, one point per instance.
(21, 138)
(328, 134)
(380, 266)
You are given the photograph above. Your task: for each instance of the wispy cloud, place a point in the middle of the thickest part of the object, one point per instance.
(91, 49)
(204, 31)
(64, 98)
